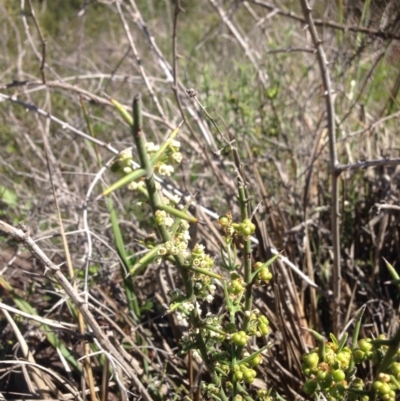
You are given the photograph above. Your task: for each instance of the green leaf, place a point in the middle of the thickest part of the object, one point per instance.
(8, 196)
(132, 176)
(125, 263)
(123, 112)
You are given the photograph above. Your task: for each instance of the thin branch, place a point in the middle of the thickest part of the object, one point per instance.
(379, 33)
(385, 206)
(326, 81)
(42, 39)
(368, 163)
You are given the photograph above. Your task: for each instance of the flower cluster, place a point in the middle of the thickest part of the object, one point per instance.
(258, 325)
(330, 375)
(263, 272)
(203, 263)
(122, 164)
(178, 245)
(231, 229)
(164, 163)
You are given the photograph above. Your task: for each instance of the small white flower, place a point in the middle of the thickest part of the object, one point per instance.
(161, 214)
(209, 298)
(213, 333)
(169, 221)
(127, 170)
(164, 200)
(186, 254)
(132, 186)
(182, 246)
(175, 199)
(186, 235)
(177, 157)
(198, 308)
(162, 251)
(125, 154)
(196, 356)
(165, 169)
(184, 225)
(175, 143)
(187, 306)
(212, 288)
(151, 147)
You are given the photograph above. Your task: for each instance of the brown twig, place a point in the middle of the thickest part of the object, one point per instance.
(326, 81)
(339, 168)
(385, 206)
(42, 40)
(379, 33)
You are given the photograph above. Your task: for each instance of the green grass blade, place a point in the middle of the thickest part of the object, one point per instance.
(125, 263)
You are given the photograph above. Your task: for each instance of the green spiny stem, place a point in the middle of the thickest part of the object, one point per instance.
(247, 258)
(357, 327)
(155, 202)
(394, 344)
(250, 357)
(170, 209)
(244, 393)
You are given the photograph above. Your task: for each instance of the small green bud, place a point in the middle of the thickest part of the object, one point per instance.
(338, 375)
(238, 376)
(310, 386)
(264, 274)
(365, 344)
(359, 356)
(249, 375)
(311, 360)
(263, 328)
(240, 338)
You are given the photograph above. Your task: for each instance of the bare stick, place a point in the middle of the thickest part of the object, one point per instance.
(42, 39)
(326, 81)
(379, 33)
(367, 163)
(385, 206)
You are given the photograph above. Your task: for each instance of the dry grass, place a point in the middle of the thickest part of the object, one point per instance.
(255, 71)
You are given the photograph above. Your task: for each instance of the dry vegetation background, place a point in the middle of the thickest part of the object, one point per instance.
(255, 71)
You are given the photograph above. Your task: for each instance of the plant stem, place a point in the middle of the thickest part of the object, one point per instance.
(246, 259)
(155, 204)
